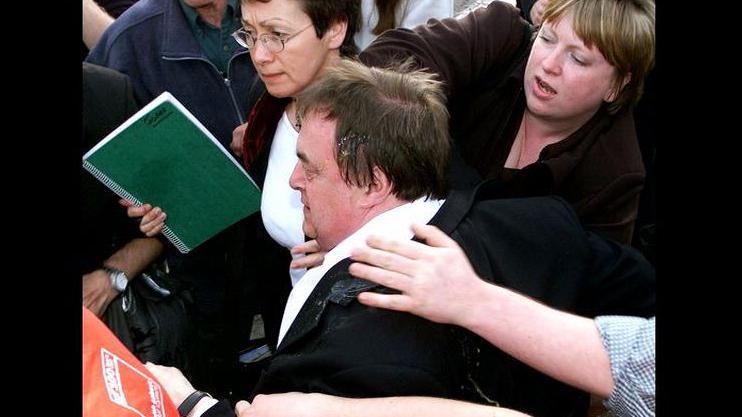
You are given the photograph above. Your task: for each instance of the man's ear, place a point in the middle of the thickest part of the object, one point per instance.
(614, 92)
(335, 34)
(378, 190)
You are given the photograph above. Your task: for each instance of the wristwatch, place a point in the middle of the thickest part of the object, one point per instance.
(119, 280)
(190, 402)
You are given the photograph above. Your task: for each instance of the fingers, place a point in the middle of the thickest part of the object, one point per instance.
(433, 236)
(236, 147)
(306, 247)
(241, 407)
(137, 211)
(153, 222)
(380, 276)
(395, 302)
(238, 139)
(309, 261)
(94, 305)
(385, 259)
(405, 248)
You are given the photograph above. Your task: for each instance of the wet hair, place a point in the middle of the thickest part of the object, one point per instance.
(393, 120)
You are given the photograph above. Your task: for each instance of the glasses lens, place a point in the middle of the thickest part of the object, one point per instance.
(273, 43)
(243, 38)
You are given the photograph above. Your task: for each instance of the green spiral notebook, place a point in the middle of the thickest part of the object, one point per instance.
(165, 157)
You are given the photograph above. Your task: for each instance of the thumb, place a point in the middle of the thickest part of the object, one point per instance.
(433, 236)
(241, 407)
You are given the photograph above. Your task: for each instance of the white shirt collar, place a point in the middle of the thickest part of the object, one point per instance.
(394, 223)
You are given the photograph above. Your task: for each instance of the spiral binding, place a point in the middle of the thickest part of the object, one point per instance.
(124, 194)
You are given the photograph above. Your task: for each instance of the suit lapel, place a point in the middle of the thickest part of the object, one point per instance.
(314, 306)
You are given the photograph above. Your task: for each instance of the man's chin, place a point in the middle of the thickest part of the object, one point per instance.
(309, 230)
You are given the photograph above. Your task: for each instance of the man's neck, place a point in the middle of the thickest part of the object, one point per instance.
(366, 215)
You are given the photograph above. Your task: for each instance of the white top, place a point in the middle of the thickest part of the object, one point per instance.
(280, 205)
(409, 14)
(475, 4)
(394, 224)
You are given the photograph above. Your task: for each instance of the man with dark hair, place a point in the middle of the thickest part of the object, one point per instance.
(363, 129)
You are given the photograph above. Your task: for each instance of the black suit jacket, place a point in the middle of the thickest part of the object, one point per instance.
(338, 346)
(535, 246)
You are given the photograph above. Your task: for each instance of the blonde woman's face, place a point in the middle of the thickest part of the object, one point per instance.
(565, 80)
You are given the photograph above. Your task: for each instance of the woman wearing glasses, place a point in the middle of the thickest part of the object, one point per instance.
(290, 43)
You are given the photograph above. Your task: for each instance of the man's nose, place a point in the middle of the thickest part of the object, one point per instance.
(296, 180)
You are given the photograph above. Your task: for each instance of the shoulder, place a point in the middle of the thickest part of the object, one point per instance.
(545, 211)
(141, 23)
(138, 17)
(105, 88)
(614, 154)
(94, 75)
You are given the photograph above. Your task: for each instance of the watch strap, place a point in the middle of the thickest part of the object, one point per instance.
(187, 405)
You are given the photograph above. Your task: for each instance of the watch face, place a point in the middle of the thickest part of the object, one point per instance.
(120, 281)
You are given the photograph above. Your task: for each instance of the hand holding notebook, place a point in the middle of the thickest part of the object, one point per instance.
(164, 156)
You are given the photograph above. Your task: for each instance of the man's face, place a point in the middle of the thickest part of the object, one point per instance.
(331, 206)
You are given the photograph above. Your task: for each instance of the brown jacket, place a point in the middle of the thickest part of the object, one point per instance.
(481, 59)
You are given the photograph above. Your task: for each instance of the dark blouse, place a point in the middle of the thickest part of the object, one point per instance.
(481, 60)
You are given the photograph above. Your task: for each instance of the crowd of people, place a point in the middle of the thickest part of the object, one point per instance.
(447, 211)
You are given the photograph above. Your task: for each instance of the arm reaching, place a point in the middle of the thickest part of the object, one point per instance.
(132, 259)
(437, 282)
(95, 21)
(294, 404)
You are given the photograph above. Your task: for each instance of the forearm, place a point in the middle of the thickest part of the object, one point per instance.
(135, 256)
(405, 407)
(453, 48)
(95, 21)
(561, 345)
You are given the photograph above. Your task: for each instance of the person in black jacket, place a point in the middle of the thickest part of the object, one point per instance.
(111, 246)
(372, 152)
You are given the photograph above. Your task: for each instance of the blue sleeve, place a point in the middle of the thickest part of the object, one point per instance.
(630, 345)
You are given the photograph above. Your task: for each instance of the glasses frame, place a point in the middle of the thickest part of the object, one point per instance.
(265, 38)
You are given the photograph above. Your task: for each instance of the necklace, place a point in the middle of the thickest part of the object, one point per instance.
(523, 140)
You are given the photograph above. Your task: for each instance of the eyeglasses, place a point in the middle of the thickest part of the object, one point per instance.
(273, 43)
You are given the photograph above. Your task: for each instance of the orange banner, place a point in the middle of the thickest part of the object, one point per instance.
(114, 382)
